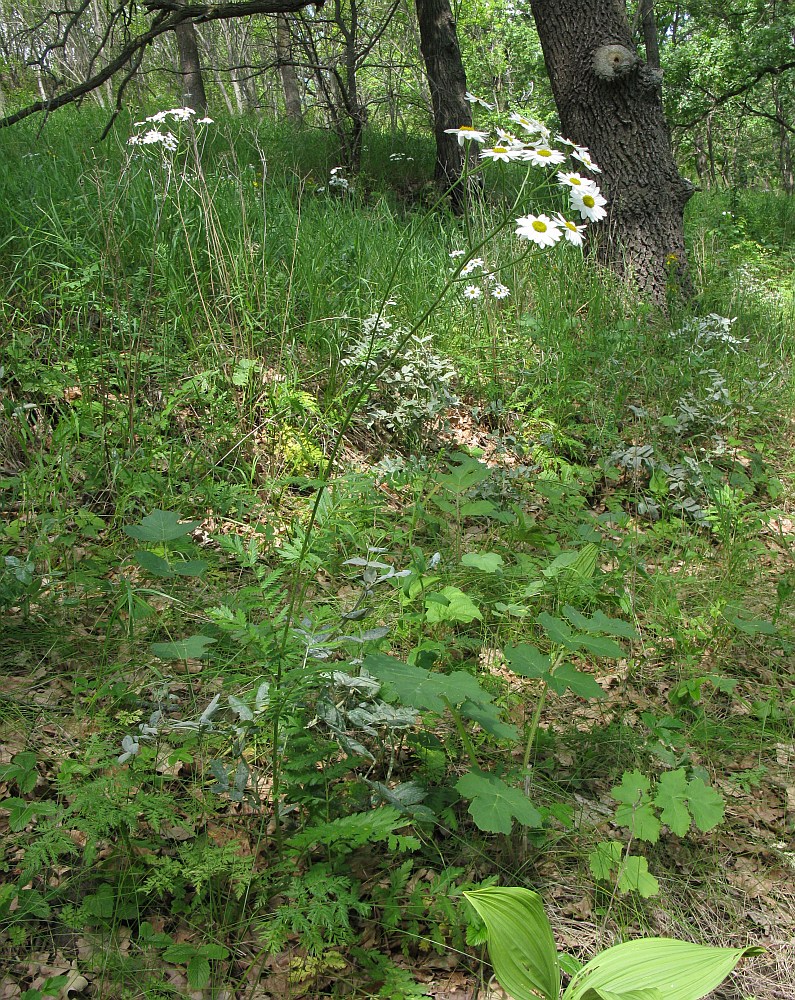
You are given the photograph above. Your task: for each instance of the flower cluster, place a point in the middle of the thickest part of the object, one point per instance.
(337, 183)
(157, 135)
(488, 284)
(535, 146)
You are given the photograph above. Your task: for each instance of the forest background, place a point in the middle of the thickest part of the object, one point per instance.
(363, 546)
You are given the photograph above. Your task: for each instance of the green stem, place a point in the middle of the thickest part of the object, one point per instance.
(459, 725)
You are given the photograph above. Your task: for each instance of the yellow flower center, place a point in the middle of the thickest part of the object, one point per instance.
(539, 226)
(500, 149)
(575, 181)
(544, 152)
(570, 225)
(588, 200)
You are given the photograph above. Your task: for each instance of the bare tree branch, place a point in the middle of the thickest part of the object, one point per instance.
(743, 88)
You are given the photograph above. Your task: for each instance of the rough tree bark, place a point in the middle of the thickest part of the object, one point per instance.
(193, 93)
(610, 101)
(284, 55)
(447, 81)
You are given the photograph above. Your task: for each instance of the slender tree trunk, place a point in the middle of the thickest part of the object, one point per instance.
(784, 147)
(610, 101)
(193, 93)
(284, 56)
(447, 82)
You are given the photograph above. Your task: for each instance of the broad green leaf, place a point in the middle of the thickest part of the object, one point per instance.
(585, 564)
(215, 951)
(599, 645)
(22, 770)
(23, 812)
(160, 526)
(635, 809)
(634, 876)
(599, 624)
(706, 805)
(677, 969)
(526, 660)
(671, 798)
(486, 562)
(605, 859)
(460, 686)
(494, 805)
(154, 564)
(515, 610)
(466, 473)
(521, 944)
(741, 619)
(488, 718)
(650, 994)
(559, 564)
(558, 631)
(191, 567)
(459, 607)
(477, 508)
(413, 686)
(582, 684)
(192, 648)
(198, 972)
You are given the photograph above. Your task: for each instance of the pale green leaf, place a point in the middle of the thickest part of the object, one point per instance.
(605, 859)
(488, 718)
(671, 798)
(486, 562)
(599, 645)
(706, 805)
(521, 944)
(635, 809)
(192, 648)
(634, 876)
(153, 564)
(413, 686)
(650, 994)
(459, 607)
(677, 969)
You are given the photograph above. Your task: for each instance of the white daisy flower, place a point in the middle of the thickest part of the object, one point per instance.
(478, 100)
(543, 156)
(574, 180)
(471, 265)
(205, 121)
(472, 292)
(589, 203)
(530, 124)
(571, 231)
(456, 253)
(504, 153)
(467, 133)
(539, 229)
(581, 153)
(500, 291)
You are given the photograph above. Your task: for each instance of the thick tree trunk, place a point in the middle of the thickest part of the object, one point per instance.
(610, 101)
(284, 56)
(193, 93)
(447, 82)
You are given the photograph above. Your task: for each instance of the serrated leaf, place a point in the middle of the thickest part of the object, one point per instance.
(179, 954)
(153, 564)
(459, 607)
(217, 952)
(413, 686)
(494, 805)
(198, 972)
(635, 809)
(195, 647)
(681, 970)
(634, 876)
(486, 562)
(23, 812)
(605, 859)
(526, 660)
(521, 944)
(161, 526)
(582, 684)
(706, 804)
(671, 798)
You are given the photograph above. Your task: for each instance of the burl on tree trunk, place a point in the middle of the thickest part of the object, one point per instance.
(609, 100)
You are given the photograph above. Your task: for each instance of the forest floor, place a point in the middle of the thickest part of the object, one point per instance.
(287, 668)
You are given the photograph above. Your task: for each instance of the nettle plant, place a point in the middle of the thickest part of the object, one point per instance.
(527, 965)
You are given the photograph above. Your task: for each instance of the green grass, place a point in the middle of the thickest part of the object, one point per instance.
(178, 342)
